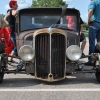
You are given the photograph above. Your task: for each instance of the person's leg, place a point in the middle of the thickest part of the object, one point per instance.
(83, 44)
(12, 37)
(14, 42)
(92, 37)
(98, 33)
(93, 34)
(83, 40)
(12, 52)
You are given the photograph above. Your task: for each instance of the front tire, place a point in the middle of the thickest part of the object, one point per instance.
(1, 67)
(97, 74)
(1, 76)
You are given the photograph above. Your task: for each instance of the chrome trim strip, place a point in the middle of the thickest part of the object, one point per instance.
(50, 54)
(51, 80)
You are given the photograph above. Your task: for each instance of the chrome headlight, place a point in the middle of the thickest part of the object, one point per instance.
(26, 53)
(73, 52)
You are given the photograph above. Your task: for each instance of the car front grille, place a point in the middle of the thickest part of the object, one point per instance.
(50, 55)
(58, 55)
(42, 49)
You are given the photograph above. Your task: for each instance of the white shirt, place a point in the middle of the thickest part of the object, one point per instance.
(1, 19)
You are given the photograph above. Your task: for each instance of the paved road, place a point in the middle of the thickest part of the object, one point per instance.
(32, 89)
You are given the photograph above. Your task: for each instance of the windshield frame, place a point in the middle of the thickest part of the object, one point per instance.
(48, 11)
(45, 21)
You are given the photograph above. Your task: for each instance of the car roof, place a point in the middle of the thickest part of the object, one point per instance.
(48, 10)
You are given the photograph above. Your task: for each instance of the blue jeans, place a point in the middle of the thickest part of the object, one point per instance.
(94, 34)
(12, 37)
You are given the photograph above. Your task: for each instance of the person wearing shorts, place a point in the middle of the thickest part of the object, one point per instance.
(83, 40)
(82, 36)
(71, 21)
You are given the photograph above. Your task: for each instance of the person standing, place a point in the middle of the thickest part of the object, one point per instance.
(71, 21)
(71, 25)
(10, 21)
(1, 21)
(82, 36)
(94, 26)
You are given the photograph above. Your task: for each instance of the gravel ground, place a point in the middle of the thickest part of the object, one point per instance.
(49, 95)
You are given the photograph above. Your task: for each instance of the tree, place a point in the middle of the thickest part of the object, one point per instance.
(85, 26)
(48, 3)
(4, 21)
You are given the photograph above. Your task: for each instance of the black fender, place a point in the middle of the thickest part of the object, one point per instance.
(2, 48)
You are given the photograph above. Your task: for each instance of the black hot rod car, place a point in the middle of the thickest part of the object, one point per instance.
(47, 48)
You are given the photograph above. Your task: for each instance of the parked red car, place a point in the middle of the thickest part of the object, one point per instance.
(5, 38)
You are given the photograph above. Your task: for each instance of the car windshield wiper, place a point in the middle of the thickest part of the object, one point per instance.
(64, 8)
(62, 14)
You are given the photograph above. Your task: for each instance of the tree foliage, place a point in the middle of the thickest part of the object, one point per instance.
(85, 26)
(48, 3)
(5, 25)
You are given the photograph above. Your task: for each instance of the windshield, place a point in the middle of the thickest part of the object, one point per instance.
(44, 21)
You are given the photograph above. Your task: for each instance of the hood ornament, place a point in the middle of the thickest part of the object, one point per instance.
(50, 29)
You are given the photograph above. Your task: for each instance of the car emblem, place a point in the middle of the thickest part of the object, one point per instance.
(50, 29)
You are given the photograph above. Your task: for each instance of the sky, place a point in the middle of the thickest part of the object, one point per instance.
(81, 5)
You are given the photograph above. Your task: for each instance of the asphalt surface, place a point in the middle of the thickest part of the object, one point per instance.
(74, 87)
